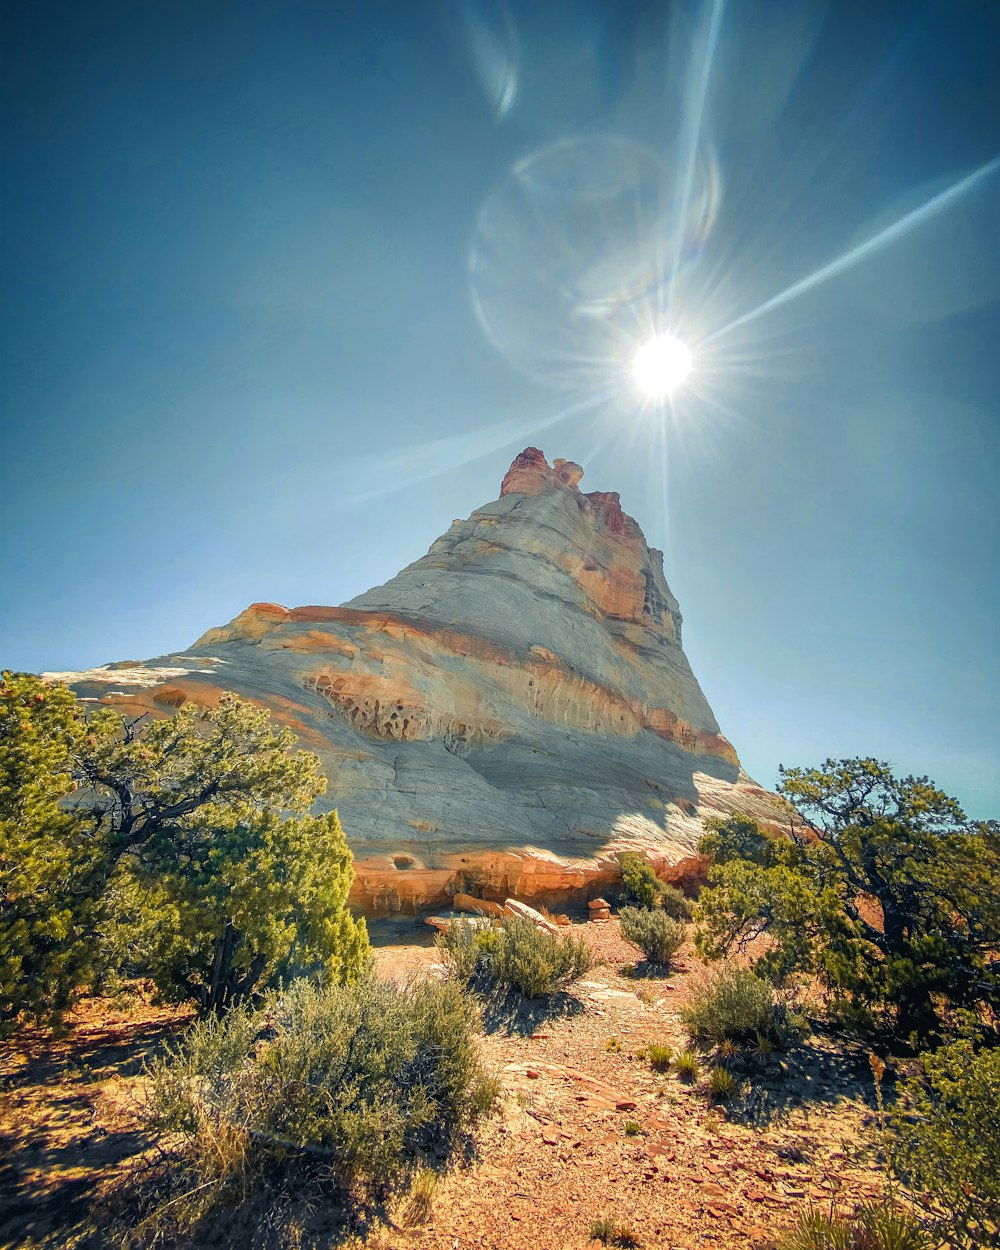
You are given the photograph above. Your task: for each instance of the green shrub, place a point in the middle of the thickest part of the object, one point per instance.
(534, 961)
(462, 948)
(674, 903)
(686, 1065)
(348, 1084)
(656, 934)
(659, 1056)
(721, 1084)
(48, 863)
(876, 1227)
(946, 1132)
(735, 1005)
(633, 1128)
(641, 887)
(514, 952)
(640, 884)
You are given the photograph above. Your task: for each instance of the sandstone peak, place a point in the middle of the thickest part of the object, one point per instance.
(530, 474)
(502, 718)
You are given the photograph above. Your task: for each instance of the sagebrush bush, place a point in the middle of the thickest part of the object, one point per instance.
(879, 1226)
(462, 948)
(657, 935)
(946, 1141)
(349, 1083)
(734, 1005)
(674, 903)
(514, 953)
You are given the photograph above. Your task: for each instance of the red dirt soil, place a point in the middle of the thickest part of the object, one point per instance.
(588, 1130)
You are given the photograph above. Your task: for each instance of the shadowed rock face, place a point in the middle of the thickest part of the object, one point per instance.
(504, 717)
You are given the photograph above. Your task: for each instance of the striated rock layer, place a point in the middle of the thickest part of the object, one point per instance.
(504, 717)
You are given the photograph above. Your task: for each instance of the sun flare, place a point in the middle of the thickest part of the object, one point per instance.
(661, 365)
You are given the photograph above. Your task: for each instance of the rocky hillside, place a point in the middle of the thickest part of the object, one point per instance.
(503, 717)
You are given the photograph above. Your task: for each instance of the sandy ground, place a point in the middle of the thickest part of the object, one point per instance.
(588, 1131)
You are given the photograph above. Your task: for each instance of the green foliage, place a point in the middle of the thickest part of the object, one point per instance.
(947, 1141)
(341, 1083)
(534, 961)
(721, 1084)
(656, 934)
(762, 1047)
(883, 1226)
(48, 864)
(268, 903)
(883, 890)
(463, 945)
(214, 886)
(514, 953)
(640, 884)
(761, 884)
(686, 1065)
(818, 1229)
(880, 1226)
(735, 1005)
(674, 903)
(641, 887)
(420, 1197)
(162, 849)
(659, 1056)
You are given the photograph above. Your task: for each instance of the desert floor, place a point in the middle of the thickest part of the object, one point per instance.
(588, 1131)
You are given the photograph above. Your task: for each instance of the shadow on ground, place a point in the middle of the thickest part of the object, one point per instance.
(646, 970)
(510, 1012)
(816, 1074)
(55, 1144)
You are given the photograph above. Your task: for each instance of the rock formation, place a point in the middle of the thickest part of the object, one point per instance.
(504, 717)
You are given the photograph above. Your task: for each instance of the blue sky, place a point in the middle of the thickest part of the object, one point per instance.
(273, 315)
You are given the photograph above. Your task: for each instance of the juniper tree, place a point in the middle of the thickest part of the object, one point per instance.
(47, 864)
(196, 863)
(883, 889)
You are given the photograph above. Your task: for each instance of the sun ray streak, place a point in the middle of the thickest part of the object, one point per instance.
(424, 461)
(884, 238)
(696, 112)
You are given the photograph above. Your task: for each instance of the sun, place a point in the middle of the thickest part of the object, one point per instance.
(661, 365)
